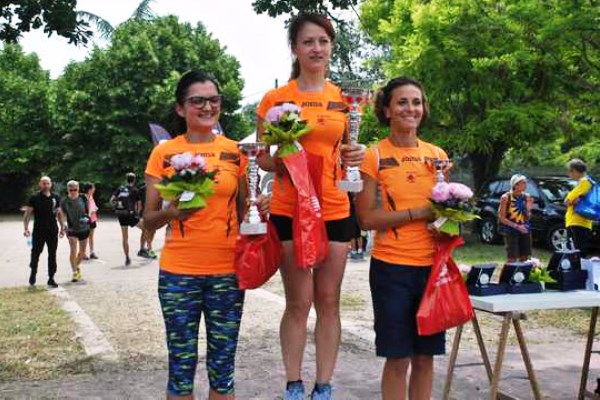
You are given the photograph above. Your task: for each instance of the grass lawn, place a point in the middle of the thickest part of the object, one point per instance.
(37, 338)
(478, 253)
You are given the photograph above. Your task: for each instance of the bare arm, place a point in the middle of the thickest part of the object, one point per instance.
(242, 196)
(373, 217)
(502, 212)
(26, 218)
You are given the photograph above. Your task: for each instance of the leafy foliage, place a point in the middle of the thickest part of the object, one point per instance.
(499, 74)
(55, 16)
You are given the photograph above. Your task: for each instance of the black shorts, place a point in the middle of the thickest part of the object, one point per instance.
(338, 230)
(129, 220)
(79, 235)
(396, 291)
(518, 245)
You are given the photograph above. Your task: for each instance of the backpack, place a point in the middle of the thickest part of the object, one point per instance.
(124, 204)
(589, 204)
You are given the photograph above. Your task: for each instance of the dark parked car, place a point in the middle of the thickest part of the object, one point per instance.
(548, 214)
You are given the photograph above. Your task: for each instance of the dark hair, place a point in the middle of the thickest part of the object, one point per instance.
(384, 97)
(130, 177)
(296, 25)
(176, 124)
(577, 165)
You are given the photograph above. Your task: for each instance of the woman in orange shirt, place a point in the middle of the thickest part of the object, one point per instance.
(402, 166)
(197, 273)
(311, 37)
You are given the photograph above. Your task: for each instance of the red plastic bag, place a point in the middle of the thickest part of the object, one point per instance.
(257, 258)
(446, 302)
(310, 235)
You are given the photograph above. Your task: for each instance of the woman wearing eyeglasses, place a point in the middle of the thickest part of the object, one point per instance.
(197, 261)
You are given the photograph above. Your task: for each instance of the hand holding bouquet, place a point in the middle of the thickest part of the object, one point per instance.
(283, 127)
(189, 182)
(452, 203)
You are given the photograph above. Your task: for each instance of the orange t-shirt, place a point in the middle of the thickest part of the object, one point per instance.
(324, 112)
(406, 177)
(206, 245)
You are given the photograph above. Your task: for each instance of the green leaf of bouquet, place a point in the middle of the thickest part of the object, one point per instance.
(451, 228)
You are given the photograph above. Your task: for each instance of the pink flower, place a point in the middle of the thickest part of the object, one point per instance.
(459, 191)
(464, 268)
(274, 114)
(440, 192)
(290, 108)
(199, 161)
(181, 161)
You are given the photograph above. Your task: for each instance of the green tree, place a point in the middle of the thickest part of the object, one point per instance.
(102, 106)
(25, 132)
(142, 12)
(55, 16)
(499, 74)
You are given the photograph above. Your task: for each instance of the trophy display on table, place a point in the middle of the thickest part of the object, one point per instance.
(356, 97)
(253, 223)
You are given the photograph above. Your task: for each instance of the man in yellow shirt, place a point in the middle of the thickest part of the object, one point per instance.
(579, 228)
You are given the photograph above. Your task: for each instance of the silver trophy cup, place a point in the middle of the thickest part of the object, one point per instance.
(253, 223)
(355, 97)
(440, 168)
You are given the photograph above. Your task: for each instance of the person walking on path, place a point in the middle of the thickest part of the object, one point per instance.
(45, 208)
(579, 228)
(311, 39)
(128, 206)
(402, 166)
(89, 190)
(197, 275)
(514, 215)
(76, 209)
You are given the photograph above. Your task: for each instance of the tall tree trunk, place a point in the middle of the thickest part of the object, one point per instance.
(486, 165)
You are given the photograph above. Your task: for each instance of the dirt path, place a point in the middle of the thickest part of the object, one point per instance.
(122, 303)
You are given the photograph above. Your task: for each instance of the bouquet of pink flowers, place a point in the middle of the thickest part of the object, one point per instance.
(187, 181)
(452, 204)
(283, 127)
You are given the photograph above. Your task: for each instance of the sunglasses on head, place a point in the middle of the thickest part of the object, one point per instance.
(200, 101)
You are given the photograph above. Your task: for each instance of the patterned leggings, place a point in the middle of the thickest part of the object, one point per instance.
(183, 298)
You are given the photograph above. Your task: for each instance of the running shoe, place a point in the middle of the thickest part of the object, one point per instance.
(143, 253)
(85, 258)
(295, 391)
(152, 254)
(127, 261)
(93, 256)
(322, 391)
(52, 284)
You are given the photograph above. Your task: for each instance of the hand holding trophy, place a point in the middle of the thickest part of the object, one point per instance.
(253, 223)
(356, 97)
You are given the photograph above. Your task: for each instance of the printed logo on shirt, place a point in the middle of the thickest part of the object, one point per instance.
(230, 157)
(312, 104)
(337, 106)
(411, 177)
(387, 163)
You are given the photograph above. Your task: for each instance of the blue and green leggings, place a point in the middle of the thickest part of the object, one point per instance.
(183, 299)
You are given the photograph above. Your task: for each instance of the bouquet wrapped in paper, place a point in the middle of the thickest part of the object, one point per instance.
(189, 181)
(283, 127)
(452, 204)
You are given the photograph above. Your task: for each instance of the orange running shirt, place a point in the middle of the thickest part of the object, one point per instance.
(324, 112)
(406, 177)
(207, 244)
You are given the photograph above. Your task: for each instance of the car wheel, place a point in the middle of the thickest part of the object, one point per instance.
(557, 235)
(488, 232)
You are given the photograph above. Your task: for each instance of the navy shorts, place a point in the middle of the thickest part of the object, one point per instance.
(339, 230)
(396, 291)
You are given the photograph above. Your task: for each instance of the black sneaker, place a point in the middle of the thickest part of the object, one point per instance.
(32, 279)
(52, 284)
(93, 256)
(143, 253)
(127, 261)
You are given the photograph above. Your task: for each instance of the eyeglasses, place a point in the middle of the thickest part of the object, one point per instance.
(200, 101)
(73, 189)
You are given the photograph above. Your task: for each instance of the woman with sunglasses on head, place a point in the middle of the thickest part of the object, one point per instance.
(75, 207)
(402, 166)
(311, 39)
(197, 273)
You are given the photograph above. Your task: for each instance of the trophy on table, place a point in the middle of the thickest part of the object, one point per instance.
(253, 223)
(356, 97)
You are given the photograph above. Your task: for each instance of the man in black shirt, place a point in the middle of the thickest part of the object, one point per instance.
(45, 209)
(128, 207)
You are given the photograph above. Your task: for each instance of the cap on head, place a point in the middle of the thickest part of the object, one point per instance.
(516, 179)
